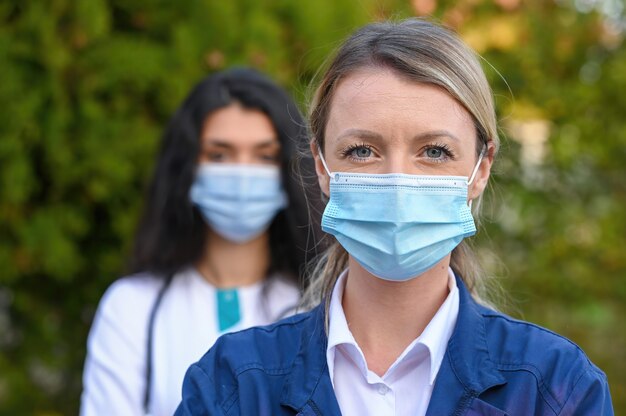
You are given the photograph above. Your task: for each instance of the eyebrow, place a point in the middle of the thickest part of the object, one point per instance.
(370, 135)
(435, 134)
(361, 134)
(222, 143)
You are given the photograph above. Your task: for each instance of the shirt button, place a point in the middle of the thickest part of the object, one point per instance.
(382, 389)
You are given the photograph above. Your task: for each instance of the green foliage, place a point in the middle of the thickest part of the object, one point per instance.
(89, 84)
(87, 87)
(557, 222)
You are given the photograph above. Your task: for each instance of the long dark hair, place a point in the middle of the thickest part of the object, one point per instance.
(171, 233)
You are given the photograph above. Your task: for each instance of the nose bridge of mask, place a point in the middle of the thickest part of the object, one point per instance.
(240, 181)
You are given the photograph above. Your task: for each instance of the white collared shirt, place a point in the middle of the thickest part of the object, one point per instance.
(406, 387)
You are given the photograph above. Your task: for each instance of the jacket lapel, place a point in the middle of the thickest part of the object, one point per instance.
(466, 370)
(308, 388)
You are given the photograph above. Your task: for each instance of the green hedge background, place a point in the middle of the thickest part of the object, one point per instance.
(86, 87)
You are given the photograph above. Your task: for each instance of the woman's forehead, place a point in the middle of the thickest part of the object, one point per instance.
(375, 98)
(238, 125)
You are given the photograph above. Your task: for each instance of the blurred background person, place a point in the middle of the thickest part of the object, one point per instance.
(220, 246)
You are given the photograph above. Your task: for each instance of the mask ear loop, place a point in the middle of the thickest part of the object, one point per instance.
(471, 179)
(319, 150)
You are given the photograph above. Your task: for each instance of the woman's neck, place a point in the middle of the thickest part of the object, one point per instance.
(226, 264)
(385, 317)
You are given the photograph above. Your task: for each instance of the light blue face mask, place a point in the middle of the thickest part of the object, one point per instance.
(238, 201)
(398, 226)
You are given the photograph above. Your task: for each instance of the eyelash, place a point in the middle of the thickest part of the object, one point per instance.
(447, 151)
(347, 152)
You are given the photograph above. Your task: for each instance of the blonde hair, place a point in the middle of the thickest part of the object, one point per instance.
(422, 52)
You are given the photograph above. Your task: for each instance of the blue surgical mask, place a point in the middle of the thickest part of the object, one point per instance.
(238, 201)
(398, 226)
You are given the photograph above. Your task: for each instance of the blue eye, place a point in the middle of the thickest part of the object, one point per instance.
(434, 153)
(438, 152)
(358, 152)
(361, 152)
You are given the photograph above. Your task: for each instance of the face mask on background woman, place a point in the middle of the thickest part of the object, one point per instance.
(238, 201)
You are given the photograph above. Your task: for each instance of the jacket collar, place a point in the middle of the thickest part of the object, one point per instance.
(466, 370)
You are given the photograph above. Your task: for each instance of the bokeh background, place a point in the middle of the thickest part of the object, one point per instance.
(87, 85)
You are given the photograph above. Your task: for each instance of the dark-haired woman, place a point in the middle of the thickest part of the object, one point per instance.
(220, 246)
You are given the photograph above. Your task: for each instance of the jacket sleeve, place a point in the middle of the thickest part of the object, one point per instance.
(199, 394)
(590, 396)
(113, 377)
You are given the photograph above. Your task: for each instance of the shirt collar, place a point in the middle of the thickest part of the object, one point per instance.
(338, 331)
(435, 336)
(439, 330)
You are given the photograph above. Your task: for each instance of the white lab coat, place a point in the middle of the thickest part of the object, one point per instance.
(185, 327)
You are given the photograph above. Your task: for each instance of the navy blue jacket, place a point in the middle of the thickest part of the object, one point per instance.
(493, 365)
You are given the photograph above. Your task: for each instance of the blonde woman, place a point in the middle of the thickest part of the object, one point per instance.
(404, 136)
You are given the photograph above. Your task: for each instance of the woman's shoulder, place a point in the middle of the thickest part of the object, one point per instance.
(520, 346)
(130, 297)
(123, 312)
(251, 368)
(518, 340)
(133, 289)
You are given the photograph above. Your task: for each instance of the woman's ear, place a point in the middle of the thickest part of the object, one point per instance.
(482, 174)
(322, 175)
